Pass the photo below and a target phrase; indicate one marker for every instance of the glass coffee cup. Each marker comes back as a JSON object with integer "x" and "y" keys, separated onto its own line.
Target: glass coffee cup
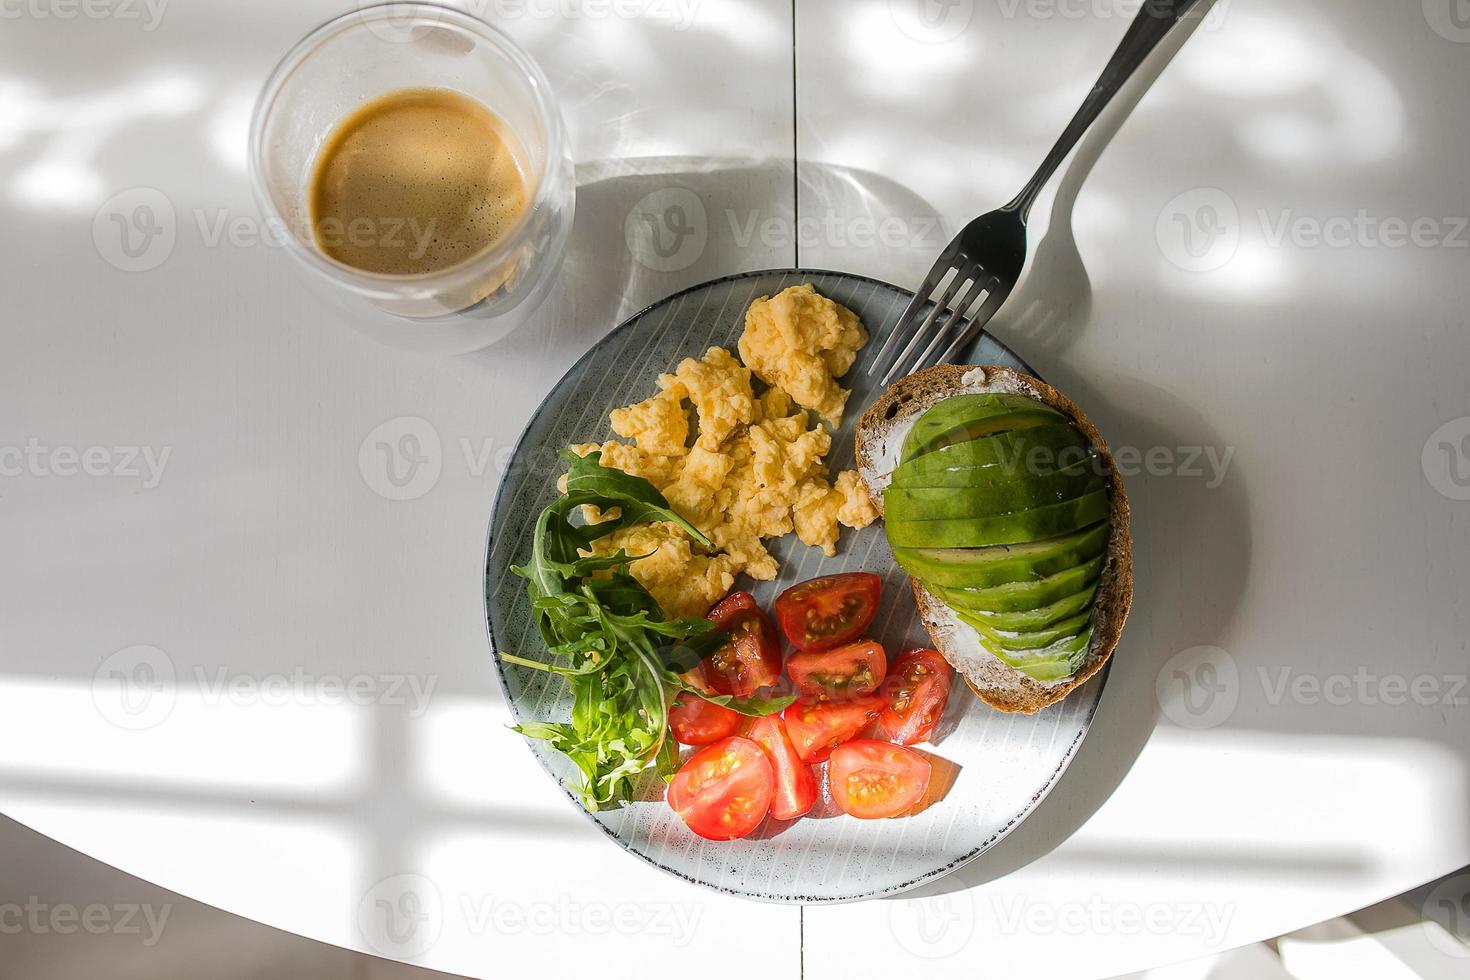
{"x": 394, "y": 51}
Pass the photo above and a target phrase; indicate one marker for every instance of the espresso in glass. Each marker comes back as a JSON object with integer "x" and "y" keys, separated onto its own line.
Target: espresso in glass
{"x": 416, "y": 181}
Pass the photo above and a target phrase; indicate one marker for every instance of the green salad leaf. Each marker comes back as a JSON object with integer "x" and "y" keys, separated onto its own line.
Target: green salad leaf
{"x": 608, "y": 637}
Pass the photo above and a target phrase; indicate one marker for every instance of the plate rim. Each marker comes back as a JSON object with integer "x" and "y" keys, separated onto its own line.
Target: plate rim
{"x": 499, "y": 668}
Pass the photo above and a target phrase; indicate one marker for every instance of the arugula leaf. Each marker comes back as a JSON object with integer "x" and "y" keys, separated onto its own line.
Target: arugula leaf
{"x": 610, "y": 641}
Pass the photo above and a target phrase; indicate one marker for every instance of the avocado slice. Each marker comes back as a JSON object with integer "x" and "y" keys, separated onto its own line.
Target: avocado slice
{"x": 1020, "y": 493}
{"x": 981, "y": 568}
{"x": 1043, "y": 617}
{"x": 1013, "y": 528}
{"x": 1055, "y": 662}
{"x": 1006, "y": 472}
{"x": 1037, "y": 449}
{"x": 1024, "y": 641}
{"x": 966, "y": 417}
{"x": 1021, "y": 596}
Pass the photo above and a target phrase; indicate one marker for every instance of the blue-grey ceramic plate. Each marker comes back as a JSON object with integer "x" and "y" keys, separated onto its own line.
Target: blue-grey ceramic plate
{"x": 1006, "y": 763}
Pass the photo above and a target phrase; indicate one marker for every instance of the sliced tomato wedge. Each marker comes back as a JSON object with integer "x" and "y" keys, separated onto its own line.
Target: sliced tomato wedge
{"x": 796, "y": 784}
{"x": 696, "y": 721}
{"x": 871, "y": 779}
{"x": 752, "y": 658}
{"x": 829, "y": 611}
{"x": 916, "y": 691}
{"x": 724, "y": 791}
{"x": 848, "y": 671}
{"x": 816, "y": 726}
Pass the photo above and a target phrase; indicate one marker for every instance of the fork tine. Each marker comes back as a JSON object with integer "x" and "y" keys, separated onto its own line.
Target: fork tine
{"x": 980, "y": 286}
{"x": 916, "y": 335}
{"x": 978, "y": 322}
{"x": 905, "y": 322}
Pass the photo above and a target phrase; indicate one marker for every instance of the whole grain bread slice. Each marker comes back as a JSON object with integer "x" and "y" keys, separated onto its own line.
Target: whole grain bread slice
{"x": 993, "y": 681}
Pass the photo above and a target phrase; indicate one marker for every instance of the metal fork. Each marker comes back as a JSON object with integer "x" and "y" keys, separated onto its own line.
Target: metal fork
{"x": 980, "y": 267}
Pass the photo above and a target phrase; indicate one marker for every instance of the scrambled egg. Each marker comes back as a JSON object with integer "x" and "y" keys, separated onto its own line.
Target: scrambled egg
{"x": 755, "y": 468}
{"x": 800, "y": 341}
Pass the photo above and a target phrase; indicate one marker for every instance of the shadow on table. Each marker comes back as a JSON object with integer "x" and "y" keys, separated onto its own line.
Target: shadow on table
{"x": 649, "y": 227}
{"x": 1191, "y": 537}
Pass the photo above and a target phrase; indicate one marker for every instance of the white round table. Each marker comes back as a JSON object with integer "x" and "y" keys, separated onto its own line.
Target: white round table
{"x": 242, "y": 651}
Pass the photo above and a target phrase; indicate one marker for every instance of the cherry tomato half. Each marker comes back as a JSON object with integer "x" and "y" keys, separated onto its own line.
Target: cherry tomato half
{"x": 916, "y": 691}
{"x": 829, "y": 611}
{"x": 846, "y": 672}
{"x": 752, "y": 657}
{"x": 724, "y": 790}
{"x": 816, "y": 726}
{"x": 796, "y": 784}
{"x": 696, "y": 721}
{"x": 871, "y": 779}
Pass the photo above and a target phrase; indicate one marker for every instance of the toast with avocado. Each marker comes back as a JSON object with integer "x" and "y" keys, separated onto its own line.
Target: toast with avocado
{"x": 1003, "y": 503}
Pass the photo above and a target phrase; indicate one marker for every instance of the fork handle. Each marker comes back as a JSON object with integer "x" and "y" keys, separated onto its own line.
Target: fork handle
{"x": 1154, "y": 20}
